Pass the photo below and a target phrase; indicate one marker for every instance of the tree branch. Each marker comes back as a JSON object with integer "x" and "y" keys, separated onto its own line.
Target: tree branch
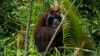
{"x": 27, "y": 29}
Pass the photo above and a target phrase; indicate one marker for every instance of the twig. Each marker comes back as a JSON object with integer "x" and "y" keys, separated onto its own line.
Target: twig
{"x": 87, "y": 50}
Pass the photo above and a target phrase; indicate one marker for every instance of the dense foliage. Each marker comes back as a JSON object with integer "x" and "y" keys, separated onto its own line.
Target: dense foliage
{"x": 13, "y": 22}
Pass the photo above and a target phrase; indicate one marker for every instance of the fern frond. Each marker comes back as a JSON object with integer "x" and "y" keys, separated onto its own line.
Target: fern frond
{"x": 75, "y": 31}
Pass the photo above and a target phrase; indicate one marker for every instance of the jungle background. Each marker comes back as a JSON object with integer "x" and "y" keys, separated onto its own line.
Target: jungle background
{"x": 14, "y": 18}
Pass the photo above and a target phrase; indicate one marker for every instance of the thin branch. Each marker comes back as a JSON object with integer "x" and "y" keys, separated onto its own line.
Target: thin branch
{"x": 27, "y": 29}
{"x": 87, "y": 50}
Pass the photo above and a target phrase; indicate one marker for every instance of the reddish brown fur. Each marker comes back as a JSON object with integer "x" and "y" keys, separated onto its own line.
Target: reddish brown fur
{"x": 44, "y": 33}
